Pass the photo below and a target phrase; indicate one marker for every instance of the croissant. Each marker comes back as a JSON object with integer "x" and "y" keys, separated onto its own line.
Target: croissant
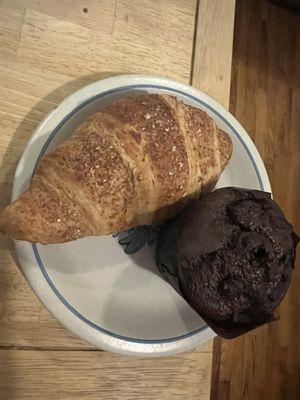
{"x": 139, "y": 160}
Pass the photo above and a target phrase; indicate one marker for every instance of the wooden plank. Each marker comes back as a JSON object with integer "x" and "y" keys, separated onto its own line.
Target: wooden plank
{"x": 71, "y": 375}
{"x": 213, "y": 48}
{"x": 265, "y": 97}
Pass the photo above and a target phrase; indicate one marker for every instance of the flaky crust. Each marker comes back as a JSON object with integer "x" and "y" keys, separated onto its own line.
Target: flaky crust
{"x": 139, "y": 160}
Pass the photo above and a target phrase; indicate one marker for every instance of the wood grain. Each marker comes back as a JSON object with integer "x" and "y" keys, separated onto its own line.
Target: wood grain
{"x": 213, "y": 48}
{"x": 70, "y": 375}
{"x": 265, "y": 97}
{"x": 48, "y": 49}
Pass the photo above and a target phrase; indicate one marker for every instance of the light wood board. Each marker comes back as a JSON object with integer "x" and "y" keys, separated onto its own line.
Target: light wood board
{"x": 48, "y": 49}
{"x": 213, "y": 50}
{"x": 70, "y": 375}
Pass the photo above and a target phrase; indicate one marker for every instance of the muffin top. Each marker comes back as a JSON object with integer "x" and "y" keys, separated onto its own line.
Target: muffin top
{"x": 231, "y": 256}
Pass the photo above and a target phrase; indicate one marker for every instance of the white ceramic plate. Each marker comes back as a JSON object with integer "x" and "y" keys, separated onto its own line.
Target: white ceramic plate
{"x": 113, "y": 300}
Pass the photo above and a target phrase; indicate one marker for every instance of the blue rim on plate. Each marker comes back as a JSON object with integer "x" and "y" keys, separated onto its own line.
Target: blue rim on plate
{"x": 43, "y": 151}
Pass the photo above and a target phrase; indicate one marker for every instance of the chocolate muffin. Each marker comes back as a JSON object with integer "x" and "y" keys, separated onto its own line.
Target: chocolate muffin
{"x": 230, "y": 255}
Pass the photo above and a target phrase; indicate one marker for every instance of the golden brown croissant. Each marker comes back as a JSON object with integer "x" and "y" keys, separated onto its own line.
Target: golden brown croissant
{"x": 138, "y": 160}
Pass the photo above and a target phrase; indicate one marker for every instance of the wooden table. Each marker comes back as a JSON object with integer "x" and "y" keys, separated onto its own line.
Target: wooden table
{"x": 48, "y": 49}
